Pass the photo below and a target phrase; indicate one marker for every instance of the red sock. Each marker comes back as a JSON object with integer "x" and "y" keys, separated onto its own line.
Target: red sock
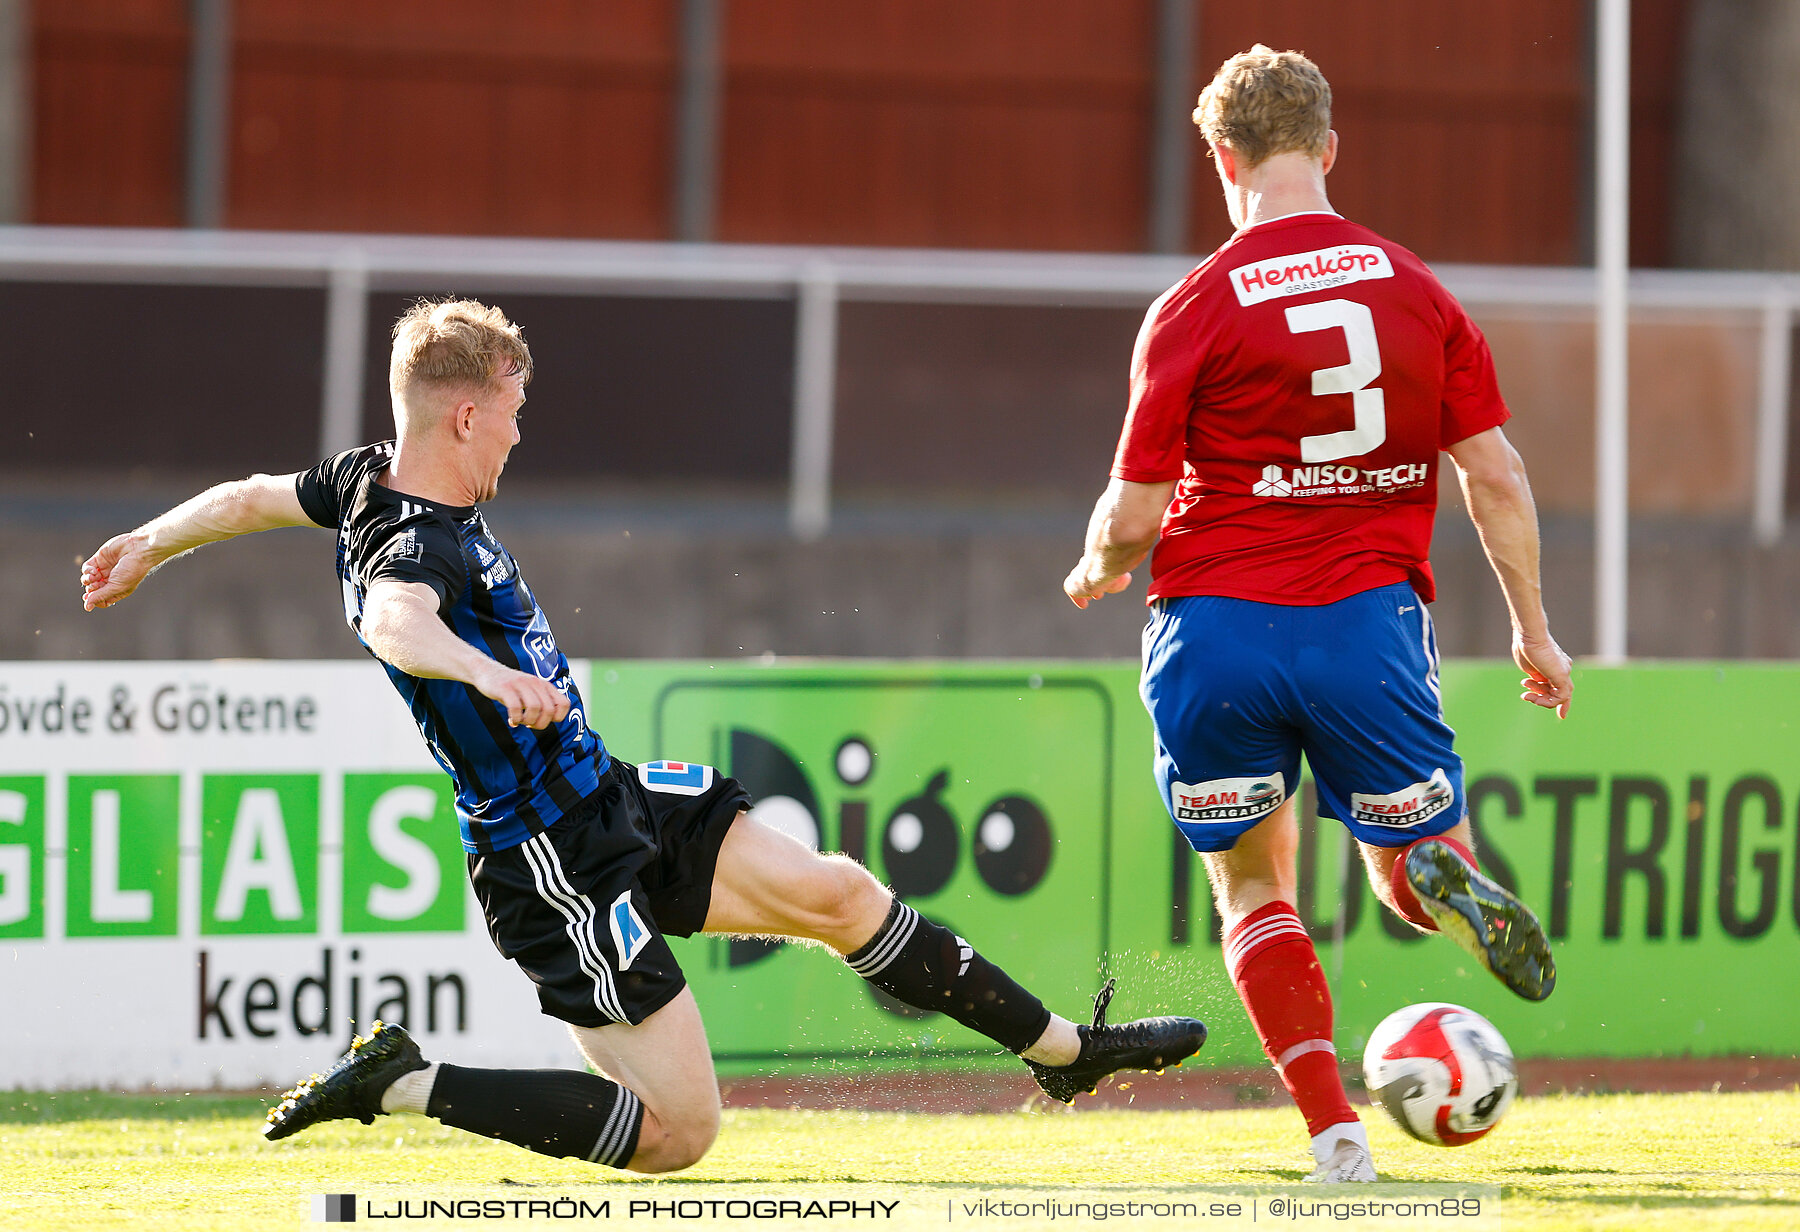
{"x": 1278, "y": 976}
{"x": 1404, "y": 899}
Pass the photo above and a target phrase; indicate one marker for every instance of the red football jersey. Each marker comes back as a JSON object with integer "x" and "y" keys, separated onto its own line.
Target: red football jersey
{"x": 1300, "y": 384}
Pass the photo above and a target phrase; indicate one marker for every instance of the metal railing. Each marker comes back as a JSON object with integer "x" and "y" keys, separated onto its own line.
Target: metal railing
{"x": 349, "y": 267}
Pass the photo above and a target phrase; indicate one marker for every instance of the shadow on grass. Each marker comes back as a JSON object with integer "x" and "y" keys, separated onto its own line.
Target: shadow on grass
{"x": 54, "y": 1107}
{"x": 1648, "y": 1198}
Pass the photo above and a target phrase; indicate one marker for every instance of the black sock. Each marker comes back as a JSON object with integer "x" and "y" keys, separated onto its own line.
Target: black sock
{"x": 562, "y": 1112}
{"x": 931, "y": 968}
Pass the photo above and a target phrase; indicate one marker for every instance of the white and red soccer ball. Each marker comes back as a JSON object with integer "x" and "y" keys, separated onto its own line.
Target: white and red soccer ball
{"x": 1443, "y": 1072}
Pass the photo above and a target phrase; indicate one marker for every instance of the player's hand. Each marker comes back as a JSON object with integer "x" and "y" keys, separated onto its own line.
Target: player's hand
{"x": 1083, "y": 587}
{"x": 1547, "y": 682}
{"x": 530, "y": 701}
{"x": 115, "y": 570}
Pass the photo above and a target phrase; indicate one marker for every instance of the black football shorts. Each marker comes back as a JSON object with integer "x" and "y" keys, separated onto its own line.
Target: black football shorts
{"x": 583, "y": 907}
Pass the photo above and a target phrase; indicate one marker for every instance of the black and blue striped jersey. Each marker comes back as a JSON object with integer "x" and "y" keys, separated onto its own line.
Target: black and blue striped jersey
{"x": 511, "y": 782}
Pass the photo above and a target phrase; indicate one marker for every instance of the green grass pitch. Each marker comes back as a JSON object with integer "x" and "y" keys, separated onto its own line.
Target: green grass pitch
{"x": 89, "y": 1161}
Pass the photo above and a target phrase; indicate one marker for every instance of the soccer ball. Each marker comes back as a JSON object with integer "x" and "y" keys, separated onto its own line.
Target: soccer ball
{"x": 1442, "y": 1072}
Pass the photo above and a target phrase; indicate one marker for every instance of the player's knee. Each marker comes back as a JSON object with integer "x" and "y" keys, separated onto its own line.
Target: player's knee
{"x": 836, "y": 899}
{"x": 844, "y": 897}
{"x": 675, "y": 1144}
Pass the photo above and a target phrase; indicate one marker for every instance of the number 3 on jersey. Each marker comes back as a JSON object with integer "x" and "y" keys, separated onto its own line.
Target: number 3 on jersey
{"x": 1352, "y": 378}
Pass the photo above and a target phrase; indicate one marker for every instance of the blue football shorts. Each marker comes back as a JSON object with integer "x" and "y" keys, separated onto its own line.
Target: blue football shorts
{"x": 1238, "y": 690}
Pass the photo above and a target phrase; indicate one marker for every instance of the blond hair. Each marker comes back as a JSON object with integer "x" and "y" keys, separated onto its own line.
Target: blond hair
{"x": 455, "y": 343}
{"x": 1263, "y": 102}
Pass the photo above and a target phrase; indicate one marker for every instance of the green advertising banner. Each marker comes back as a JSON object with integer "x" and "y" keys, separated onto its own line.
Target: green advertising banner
{"x": 1654, "y": 831}
{"x": 22, "y": 856}
{"x": 403, "y": 862}
{"x": 259, "y": 844}
{"x": 124, "y": 854}
{"x": 224, "y": 870}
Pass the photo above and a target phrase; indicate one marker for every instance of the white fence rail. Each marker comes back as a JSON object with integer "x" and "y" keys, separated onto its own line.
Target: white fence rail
{"x": 348, "y": 267}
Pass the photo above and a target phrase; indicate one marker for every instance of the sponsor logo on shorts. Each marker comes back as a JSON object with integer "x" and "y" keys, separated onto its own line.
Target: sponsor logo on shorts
{"x": 1407, "y": 807}
{"x": 628, "y": 932}
{"x": 1227, "y": 799}
{"x": 678, "y": 778}
{"x": 1303, "y": 272}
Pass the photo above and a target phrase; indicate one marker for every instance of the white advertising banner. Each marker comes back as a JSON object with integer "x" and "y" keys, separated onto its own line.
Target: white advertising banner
{"x": 210, "y": 872}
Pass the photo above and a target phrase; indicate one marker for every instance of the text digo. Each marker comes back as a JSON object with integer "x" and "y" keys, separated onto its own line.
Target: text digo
{"x": 982, "y": 805}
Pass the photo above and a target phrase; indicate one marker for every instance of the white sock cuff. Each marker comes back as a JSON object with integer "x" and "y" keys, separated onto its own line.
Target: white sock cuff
{"x": 1288, "y": 1057}
{"x": 1323, "y": 1144}
{"x": 1251, "y": 936}
{"x": 410, "y": 1092}
{"x": 885, "y": 946}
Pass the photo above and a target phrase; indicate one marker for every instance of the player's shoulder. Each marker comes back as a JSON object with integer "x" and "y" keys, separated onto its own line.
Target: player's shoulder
{"x": 379, "y": 515}
{"x": 328, "y": 491}
{"x": 1186, "y": 296}
{"x": 1407, "y": 263}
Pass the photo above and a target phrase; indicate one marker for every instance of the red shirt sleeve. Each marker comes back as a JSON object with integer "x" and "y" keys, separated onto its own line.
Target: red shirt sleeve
{"x": 1472, "y": 402}
{"x": 1165, "y": 366}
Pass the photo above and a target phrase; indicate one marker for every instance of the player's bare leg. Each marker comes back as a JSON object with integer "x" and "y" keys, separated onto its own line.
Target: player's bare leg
{"x": 1278, "y": 977}
{"x": 1436, "y": 885}
{"x": 665, "y": 1060}
{"x": 1258, "y": 870}
{"x": 769, "y": 884}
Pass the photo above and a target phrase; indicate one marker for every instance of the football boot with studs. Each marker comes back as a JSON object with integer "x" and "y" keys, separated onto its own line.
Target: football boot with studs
{"x": 1497, "y": 930}
{"x": 1147, "y": 1044}
{"x": 352, "y": 1088}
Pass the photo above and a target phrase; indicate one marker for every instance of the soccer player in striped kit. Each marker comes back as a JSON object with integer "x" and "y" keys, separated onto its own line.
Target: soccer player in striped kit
{"x": 582, "y": 862}
{"x": 1289, "y": 400}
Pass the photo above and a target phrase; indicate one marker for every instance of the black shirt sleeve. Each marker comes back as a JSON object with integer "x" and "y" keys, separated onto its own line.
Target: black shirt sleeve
{"x": 421, "y": 552}
{"x": 324, "y": 491}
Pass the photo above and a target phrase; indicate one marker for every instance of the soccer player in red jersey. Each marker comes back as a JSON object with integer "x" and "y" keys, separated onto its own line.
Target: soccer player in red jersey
{"x": 1289, "y": 400}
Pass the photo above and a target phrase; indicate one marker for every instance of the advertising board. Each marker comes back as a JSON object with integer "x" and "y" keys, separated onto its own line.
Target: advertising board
{"x": 210, "y": 871}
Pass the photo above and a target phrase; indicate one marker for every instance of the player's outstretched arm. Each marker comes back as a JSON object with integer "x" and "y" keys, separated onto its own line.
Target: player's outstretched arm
{"x": 1123, "y": 529}
{"x": 1500, "y": 505}
{"x": 401, "y": 626}
{"x": 261, "y": 502}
